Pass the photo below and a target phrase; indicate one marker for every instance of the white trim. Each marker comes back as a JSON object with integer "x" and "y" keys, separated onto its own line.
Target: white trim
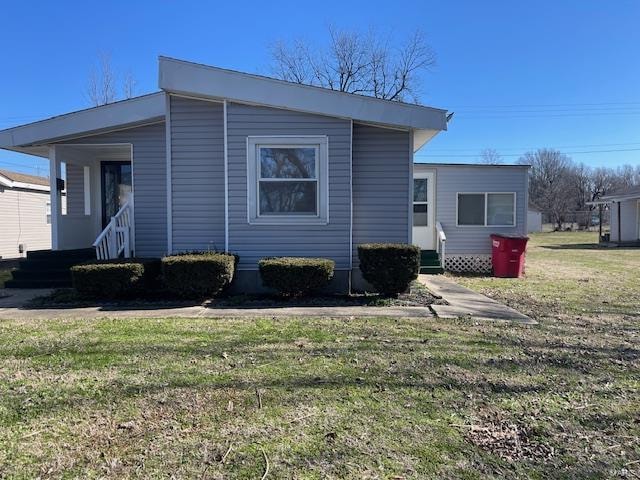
{"x": 486, "y": 207}
{"x": 410, "y": 217}
{"x": 525, "y": 227}
{"x": 226, "y": 176}
{"x": 188, "y": 78}
{"x": 351, "y": 198}
{"x": 321, "y": 143}
{"x": 86, "y": 177}
{"x": 168, "y": 154}
{"x": 91, "y": 121}
{"x": 54, "y": 169}
{"x": 26, "y": 186}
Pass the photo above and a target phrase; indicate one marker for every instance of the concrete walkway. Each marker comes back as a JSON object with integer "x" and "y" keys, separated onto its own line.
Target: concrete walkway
{"x": 12, "y": 307}
{"x": 467, "y": 303}
{"x": 462, "y": 303}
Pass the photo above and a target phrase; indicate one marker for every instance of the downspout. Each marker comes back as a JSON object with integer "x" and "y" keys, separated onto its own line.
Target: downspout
{"x": 619, "y": 222}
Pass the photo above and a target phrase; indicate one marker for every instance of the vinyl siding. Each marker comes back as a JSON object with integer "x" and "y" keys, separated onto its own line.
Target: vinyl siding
{"x": 75, "y": 189}
{"x": 23, "y": 220}
{"x": 253, "y": 242}
{"x": 197, "y": 174}
{"x": 149, "y": 183}
{"x": 464, "y": 179}
{"x": 381, "y": 179}
{"x": 629, "y": 224}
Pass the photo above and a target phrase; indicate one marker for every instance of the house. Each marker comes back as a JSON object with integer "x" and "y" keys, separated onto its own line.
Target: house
{"x": 534, "y": 219}
{"x": 225, "y": 160}
{"x": 624, "y": 208}
{"x": 25, "y": 215}
{"x": 456, "y": 207}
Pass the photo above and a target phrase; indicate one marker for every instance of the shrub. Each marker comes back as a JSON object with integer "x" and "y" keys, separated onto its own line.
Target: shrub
{"x": 296, "y": 276}
{"x": 389, "y": 267}
{"x": 198, "y": 275}
{"x": 118, "y": 278}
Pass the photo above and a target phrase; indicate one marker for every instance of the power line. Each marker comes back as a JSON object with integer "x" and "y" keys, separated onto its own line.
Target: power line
{"x": 557, "y": 147}
{"x": 534, "y": 105}
{"x": 519, "y": 155}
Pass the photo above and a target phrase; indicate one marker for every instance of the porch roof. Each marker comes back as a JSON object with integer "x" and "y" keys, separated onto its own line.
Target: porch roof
{"x": 32, "y": 138}
{"x": 629, "y": 193}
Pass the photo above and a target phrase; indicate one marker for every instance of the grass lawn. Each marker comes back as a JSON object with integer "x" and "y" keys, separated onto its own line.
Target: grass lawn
{"x": 567, "y": 274}
{"x": 5, "y": 274}
{"x": 336, "y": 398}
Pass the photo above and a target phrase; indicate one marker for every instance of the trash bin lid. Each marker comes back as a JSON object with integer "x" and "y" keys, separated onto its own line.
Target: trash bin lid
{"x": 509, "y": 236}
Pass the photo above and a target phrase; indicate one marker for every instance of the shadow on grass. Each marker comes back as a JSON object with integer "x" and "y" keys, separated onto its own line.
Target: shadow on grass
{"x": 588, "y": 246}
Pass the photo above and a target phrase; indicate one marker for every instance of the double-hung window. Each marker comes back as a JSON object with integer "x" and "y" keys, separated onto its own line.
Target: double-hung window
{"x": 486, "y": 209}
{"x": 287, "y": 180}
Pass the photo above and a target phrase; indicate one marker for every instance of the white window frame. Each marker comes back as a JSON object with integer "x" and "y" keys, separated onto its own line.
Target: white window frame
{"x": 486, "y": 209}
{"x": 321, "y": 143}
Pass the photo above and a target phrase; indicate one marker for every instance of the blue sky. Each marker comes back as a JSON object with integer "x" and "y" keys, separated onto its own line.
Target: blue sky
{"x": 519, "y": 75}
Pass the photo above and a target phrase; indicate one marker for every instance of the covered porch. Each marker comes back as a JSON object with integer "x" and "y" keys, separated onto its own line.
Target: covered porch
{"x": 99, "y": 193}
{"x": 625, "y": 217}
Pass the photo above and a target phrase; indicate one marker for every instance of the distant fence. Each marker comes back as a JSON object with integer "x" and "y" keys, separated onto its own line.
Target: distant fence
{"x": 581, "y": 220}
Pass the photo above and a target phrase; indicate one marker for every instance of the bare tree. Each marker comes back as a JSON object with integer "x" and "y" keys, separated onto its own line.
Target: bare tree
{"x": 550, "y": 185}
{"x": 101, "y": 87}
{"x": 129, "y": 85}
{"x": 490, "y": 156}
{"x": 103, "y": 80}
{"x": 354, "y": 62}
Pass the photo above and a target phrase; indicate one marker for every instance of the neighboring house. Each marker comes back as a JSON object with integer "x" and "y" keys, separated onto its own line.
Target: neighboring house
{"x": 231, "y": 161}
{"x": 624, "y": 208}
{"x": 24, "y": 214}
{"x": 464, "y": 204}
{"x": 534, "y": 219}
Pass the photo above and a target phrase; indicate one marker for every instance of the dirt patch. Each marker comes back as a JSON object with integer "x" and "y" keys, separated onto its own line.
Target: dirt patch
{"x": 507, "y": 438}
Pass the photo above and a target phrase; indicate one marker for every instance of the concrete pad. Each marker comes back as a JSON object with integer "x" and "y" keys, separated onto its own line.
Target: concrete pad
{"x": 467, "y": 303}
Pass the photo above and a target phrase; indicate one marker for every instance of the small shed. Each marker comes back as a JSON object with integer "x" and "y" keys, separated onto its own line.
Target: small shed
{"x": 625, "y": 215}
{"x": 534, "y": 219}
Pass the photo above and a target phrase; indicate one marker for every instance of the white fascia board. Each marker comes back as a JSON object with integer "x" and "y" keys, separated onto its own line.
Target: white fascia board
{"x": 127, "y": 112}
{"x": 25, "y": 186}
{"x": 187, "y": 78}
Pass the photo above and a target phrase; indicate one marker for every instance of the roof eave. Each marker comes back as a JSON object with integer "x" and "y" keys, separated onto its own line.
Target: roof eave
{"x": 85, "y": 122}
{"x": 186, "y": 78}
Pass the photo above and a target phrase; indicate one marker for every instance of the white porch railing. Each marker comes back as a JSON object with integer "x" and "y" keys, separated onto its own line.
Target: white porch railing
{"x": 441, "y": 241}
{"x": 116, "y": 238}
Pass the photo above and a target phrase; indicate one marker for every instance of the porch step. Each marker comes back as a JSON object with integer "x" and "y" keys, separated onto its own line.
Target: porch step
{"x": 48, "y": 268}
{"x": 430, "y": 262}
{"x": 431, "y": 270}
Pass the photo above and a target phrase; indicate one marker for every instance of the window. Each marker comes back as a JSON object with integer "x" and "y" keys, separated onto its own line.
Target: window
{"x": 420, "y": 202}
{"x": 288, "y": 180}
{"x": 486, "y": 209}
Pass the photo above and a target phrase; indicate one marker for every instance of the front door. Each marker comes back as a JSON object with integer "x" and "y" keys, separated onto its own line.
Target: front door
{"x": 116, "y": 187}
{"x": 424, "y": 210}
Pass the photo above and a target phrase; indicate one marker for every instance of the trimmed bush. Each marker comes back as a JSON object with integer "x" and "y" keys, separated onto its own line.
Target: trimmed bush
{"x": 118, "y": 278}
{"x": 292, "y": 276}
{"x": 389, "y": 267}
{"x": 198, "y": 275}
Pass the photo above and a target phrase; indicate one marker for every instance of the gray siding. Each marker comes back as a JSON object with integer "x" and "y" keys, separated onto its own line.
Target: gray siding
{"x": 149, "y": 183}
{"x": 253, "y": 242}
{"x": 197, "y": 174}
{"x": 75, "y": 189}
{"x": 455, "y": 178}
{"x": 381, "y": 179}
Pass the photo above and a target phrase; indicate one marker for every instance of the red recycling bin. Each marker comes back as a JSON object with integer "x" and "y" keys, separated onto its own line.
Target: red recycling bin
{"x": 507, "y": 255}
